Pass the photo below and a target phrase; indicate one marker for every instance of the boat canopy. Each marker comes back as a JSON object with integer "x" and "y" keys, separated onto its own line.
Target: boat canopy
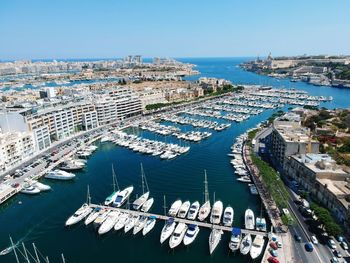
{"x": 236, "y": 231}
{"x": 171, "y": 220}
{"x": 152, "y": 217}
{"x": 192, "y": 226}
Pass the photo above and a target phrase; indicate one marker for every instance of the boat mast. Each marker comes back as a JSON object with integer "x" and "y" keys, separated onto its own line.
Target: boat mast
{"x": 206, "y": 192}
{"x": 63, "y": 259}
{"x": 25, "y": 253}
{"x": 88, "y": 195}
{"x": 115, "y": 181}
{"x": 36, "y": 253}
{"x": 214, "y": 197}
{"x": 142, "y": 175}
{"x": 164, "y": 206}
{"x": 14, "y": 249}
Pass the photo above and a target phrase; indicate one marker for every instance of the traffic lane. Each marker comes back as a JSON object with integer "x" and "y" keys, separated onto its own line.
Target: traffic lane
{"x": 300, "y": 251}
{"x": 323, "y": 251}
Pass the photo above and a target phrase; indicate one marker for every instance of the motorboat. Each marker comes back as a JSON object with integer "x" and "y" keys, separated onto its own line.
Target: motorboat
{"x": 102, "y": 216}
{"x": 29, "y": 189}
{"x": 122, "y": 219}
{"x": 59, "y": 175}
{"x": 109, "y": 222}
{"x": 246, "y": 244}
{"x": 216, "y": 213}
{"x": 8, "y": 249}
{"x": 111, "y": 198}
{"x": 175, "y": 208}
{"x": 227, "y": 219}
{"x": 260, "y": 224}
{"x": 93, "y": 215}
{"x": 249, "y": 220}
{"x": 214, "y": 239}
{"x": 204, "y": 211}
{"x": 79, "y": 215}
{"x": 235, "y": 240}
{"x": 193, "y": 211}
{"x": 139, "y": 224}
{"x": 178, "y": 235}
{"x": 72, "y": 165}
{"x": 130, "y": 223}
{"x": 147, "y": 205}
{"x": 191, "y": 234}
{"x": 184, "y": 209}
{"x": 137, "y": 204}
{"x": 253, "y": 190}
{"x": 151, "y": 222}
{"x": 122, "y": 196}
{"x": 257, "y": 246}
{"x": 167, "y": 230}
{"x": 244, "y": 179}
{"x": 42, "y": 187}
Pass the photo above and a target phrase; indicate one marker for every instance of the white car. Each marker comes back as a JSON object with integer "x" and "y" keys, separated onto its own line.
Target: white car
{"x": 332, "y": 244}
{"x": 314, "y": 240}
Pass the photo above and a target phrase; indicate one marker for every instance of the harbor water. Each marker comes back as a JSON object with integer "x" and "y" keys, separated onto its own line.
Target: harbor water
{"x": 41, "y": 218}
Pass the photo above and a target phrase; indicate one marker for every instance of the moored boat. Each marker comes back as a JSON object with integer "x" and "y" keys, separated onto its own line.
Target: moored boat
{"x": 79, "y": 215}
{"x": 122, "y": 196}
{"x": 167, "y": 230}
{"x": 59, "y": 175}
{"x": 175, "y": 208}
{"x": 151, "y": 222}
{"x": 235, "y": 240}
{"x": 216, "y": 213}
{"x": 246, "y": 244}
{"x": 227, "y": 219}
{"x": 249, "y": 220}
{"x": 214, "y": 239}
{"x": 178, "y": 235}
{"x": 191, "y": 234}
{"x": 184, "y": 209}
{"x": 109, "y": 222}
{"x": 147, "y": 205}
{"x": 257, "y": 246}
{"x": 193, "y": 211}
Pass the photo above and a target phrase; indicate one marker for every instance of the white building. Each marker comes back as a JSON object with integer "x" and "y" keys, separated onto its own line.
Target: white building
{"x": 42, "y": 137}
{"x": 89, "y": 120}
{"x": 63, "y": 124}
{"x": 128, "y": 103}
{"x": 15, "y": 147}
{"x": 106, "y": 110}
{"x": 151, "y": 96}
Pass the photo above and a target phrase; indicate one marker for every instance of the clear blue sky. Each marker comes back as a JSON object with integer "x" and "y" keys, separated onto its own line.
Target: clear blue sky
{"x": 178, "y": 28}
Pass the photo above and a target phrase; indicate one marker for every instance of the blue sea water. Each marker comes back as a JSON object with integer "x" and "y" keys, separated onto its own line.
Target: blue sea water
{"x": 41, "y": 218}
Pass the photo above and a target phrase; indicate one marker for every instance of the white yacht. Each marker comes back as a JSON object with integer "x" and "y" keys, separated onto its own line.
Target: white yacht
{"x": 93, "y": 215}
{"x": 122, "y": 219}
{"x": 227, "y": 219}
{"x": 122, "y": 196}
{"x": 167, "y": 230}
{"x": 139, "y": 224}
{"x": 192, "y": 213}
{"x": 151, "y": 222}
{"x": 42, "y": 187}
{"x": 130, "y": 223}
{"x": 178, "y": 235}
{"x": 175, "y": 208}
{"x": 29, "y": 189}
{"x": 109, "y": 222}
{"x": 216, "y": 213}
{"x": 137, "y": 204}
{"x": 260, "y": 224}
{"x": 59, "y": 175}
{"x": 191, "y": 234}
{"x": 147, "y": 205}
{"x": 102, "y": 215}
{"x": 214, "y": 239}
{"x": 79, "y": 215}
{"x": 246, "y": 244}
{"x": 205, "y": 209}
{"x": 249, "y": 220}
{"x": 235, "y": 240}
{"x": 184, "y": 209}
{"x": 257, "y": 246}
{"x": 112, "y": 197}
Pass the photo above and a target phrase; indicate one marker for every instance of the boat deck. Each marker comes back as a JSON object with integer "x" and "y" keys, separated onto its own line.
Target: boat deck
{"x": 186, "y": 221}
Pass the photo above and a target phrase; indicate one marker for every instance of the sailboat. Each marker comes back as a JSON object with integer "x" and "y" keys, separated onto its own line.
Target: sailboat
{"x": 214, "y": 239}
{"x": 81, "y": 213}
{"x": 137, "y": 204}
{"x": 110, "y": 199}
{"x": 204, "y": 211}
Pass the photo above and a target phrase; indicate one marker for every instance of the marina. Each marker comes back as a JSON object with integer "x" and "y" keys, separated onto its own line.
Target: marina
{"x": 173, "y": 178}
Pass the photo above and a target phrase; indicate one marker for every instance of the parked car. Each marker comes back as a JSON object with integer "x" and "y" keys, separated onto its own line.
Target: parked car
{"x": 334, "y": 260}
{"x": 309, "y": 247}
{"x": 344, "y": 245}
{"x": 274, "y": 253}
{"x": 279, "y": 244}
{"x": 332, "y": 244}
{"x": 273, "y": 260}
{"x": 314, "y": 240}
{"x": 340, "y": 238}
{"x": 273, "y": 245}
{"x": 337, "y": 254}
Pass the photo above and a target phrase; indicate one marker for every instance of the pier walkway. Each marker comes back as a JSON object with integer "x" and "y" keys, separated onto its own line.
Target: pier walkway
{"x": 182, "y": 220}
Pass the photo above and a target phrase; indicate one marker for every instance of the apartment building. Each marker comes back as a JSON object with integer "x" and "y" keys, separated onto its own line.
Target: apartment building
{"x": 42, "y": 137}
{"x": 14, "y": 148}
{"x": 327, "y": 182}
{"x": 151, "y": 96}
{"x": 127, "y": 102}
{"x": 106, "y": 110}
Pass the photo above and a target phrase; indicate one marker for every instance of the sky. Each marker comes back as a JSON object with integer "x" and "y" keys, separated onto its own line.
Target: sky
{"x": 38, "y": 29}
